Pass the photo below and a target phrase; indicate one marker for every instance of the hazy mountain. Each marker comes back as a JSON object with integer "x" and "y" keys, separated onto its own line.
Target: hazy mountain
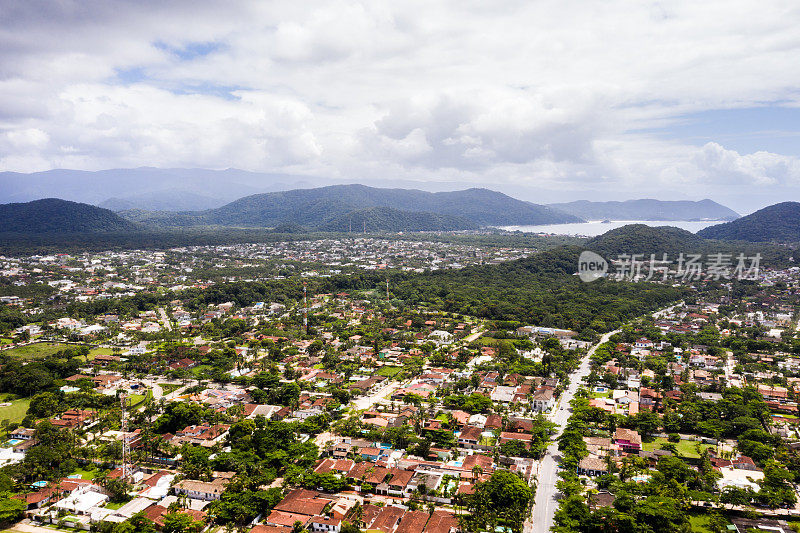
{"x": 315, "y": 208}
{"x": 646, "y": 240}
{"x": 98, "y": 187}
{"x": 52, "y": 215}
{"x": 647, "y": 210}
{"x": 167, "y": 200}
{"x": 775, "y": 223}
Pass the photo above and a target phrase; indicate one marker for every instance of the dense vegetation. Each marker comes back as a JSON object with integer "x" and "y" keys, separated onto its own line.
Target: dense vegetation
{"x": 672, "y": 241}
{"x": 52, "y": 215}
{"x": 388, "y": 219}
{"x": 538, "y": 290}
{"x": 21, "y": 243}
{"x": 775, "y": 223}
{"x": 314, "y": 208}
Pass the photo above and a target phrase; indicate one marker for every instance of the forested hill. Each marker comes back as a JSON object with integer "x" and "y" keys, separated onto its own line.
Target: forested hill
{"x": 393, "y": 220}
{"x": 316, "y": 208}
{"x": 643, "y": 239}
{"x": 775, "y": 223}
{"x": 647, "y": 209}
{"x": 52, "y": 215}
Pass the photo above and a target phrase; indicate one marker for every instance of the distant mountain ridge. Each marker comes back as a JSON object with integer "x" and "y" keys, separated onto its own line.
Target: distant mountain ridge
{"x": 133, "y": 185}
{"x": 164, "y": 200}
{"x": 774, "y": 223}
{"x": 326, "y": 207}
{"x": 647, "y": 209}
{"x": 52, "y": 215}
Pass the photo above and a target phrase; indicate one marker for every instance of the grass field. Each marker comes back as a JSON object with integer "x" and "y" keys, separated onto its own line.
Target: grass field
{"x": 35, "y": 351}
{"x": 16, "y": 411}
{"x": 686, "y": 448}
{"x": 135, "y": 400}
{"x": 99, "y": 351}
{"x": 87, "y": 474}
{"x": 169, "y": 387}
{"x": 115, "y": 506}
{"x": 389, "y": 371}
{"x": 700, "y": 522}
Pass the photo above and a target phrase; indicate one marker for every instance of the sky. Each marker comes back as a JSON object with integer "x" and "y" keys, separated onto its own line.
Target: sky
{"x": 547, "y": 100}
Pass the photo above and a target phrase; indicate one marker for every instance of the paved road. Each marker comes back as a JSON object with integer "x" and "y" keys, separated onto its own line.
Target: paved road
{"x": 545, "y": 503}
{"x": 366, "y": 402}
{"x": 472, "y": 336}
{"x": 165, "y": 319}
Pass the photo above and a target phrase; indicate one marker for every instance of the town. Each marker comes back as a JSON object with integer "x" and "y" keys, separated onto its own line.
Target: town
{"x": 137, "y": 395}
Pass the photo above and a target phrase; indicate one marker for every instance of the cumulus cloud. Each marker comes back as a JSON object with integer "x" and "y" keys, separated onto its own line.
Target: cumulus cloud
{"x": 760, "y": 168}
{"x": 551, "y": 94}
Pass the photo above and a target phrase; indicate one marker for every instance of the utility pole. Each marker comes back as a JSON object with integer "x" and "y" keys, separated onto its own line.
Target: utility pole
{"x": 305, "y": 308}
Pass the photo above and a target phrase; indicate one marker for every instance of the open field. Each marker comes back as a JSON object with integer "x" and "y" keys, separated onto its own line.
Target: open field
{"x": 36, "y": 350}
{"x": 700, "y": 522}
{"x": 389, "y": 371}
{"x": 16, "y": 411}
{"x": 686, "y": 448}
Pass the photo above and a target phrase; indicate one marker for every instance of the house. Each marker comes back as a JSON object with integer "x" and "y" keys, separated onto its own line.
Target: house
{"x": 543, "y": 399}
{"x": 201, "y": 490}
{"x": 324, "y": 524}
{"x": 503, "y": 394}
{"x": 592, "y": 466}
{"x": 628, "y": 440}
{"x": 470, "y": 436}
{"x": 22, "y": 433}
{"x": 105, "y": 360}
{"x": 644, "y": 343}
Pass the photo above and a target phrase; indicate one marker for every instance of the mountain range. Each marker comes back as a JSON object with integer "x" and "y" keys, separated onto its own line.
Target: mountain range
{"x": 340, "y": 205}
{"x": 774, "y": 223}
{"x": 647, "y": 209}
{"x": 148, "y": 188}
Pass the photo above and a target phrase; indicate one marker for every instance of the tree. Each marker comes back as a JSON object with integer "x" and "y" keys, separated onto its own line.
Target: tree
{"x": 181, "y": 523}
{"x": 11, "y": 510}
{"x": 504, "y": 495}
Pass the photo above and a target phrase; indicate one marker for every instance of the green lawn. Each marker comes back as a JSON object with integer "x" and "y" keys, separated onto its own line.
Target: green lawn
{"x": 87, "y": 474}
{"x": 199, "y": 369}
{"x": 686, "y": 448}
{"x": 99, "y": 351}
{"x": 136, "y": 399}
{"x": 700, "y": 522}
{"x": 16, "y": 411}
{"x": 36, "y": 351}
{"x": 389, "y": 371}
{"x": 169, "y": 387}
{"x": 114, "y": 506}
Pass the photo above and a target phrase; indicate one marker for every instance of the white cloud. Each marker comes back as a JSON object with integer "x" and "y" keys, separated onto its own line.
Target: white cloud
{"x": 538, "y": 93}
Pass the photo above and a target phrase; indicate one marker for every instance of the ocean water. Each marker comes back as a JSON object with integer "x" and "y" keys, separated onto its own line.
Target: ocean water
{"x": 598, "y": 227}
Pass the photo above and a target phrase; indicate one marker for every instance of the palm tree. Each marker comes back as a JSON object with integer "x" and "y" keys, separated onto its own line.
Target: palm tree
{"x": 476, "y": 472}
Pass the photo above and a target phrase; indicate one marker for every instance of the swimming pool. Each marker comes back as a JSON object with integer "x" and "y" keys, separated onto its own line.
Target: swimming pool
{"x": 13, "y": 442}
